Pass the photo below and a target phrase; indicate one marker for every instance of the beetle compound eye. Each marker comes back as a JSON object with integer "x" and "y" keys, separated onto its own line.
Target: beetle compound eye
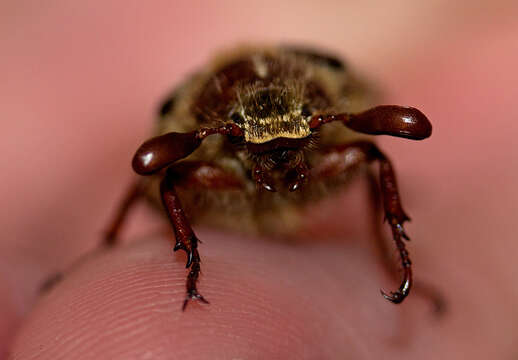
{"x": 167, "y": 107}
{"x": 237, "y": 118}
{"x": 306, "y": 112}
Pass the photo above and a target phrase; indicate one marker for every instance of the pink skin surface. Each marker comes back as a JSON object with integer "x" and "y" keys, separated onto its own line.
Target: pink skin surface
{"x": 80, "y": 84}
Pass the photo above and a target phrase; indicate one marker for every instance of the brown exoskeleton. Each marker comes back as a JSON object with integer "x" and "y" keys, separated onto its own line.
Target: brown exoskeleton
{"x": 265, "y": 128}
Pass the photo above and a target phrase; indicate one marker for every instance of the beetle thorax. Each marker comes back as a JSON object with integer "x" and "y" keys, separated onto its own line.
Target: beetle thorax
{"x": 273, "y": 112}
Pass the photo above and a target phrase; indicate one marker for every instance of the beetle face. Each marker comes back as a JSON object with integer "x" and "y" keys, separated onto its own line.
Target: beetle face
{"x": 280, "y": 160}
{"x": 278, "y": 153}
{"x": 276, "y": 129}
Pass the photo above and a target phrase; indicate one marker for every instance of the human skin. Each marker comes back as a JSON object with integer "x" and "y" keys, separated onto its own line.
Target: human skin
{"x": 77, "y": 76}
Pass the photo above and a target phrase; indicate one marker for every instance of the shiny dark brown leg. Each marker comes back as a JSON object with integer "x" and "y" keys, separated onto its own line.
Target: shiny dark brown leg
{"x": 423, "y": 289}
{"x": 395, "y": 216}
{"x": 112, "y": 233}
{"x": 346, "y": 157}
{"x": 195, "y": 174}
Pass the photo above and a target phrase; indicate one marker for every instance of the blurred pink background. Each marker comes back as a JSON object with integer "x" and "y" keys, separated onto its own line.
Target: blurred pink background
{"x": 80, "y": 83}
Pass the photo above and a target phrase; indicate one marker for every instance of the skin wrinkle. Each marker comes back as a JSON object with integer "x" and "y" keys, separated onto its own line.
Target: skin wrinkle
{"x": 117, "y": 294}
{"x": 268, "y": 308}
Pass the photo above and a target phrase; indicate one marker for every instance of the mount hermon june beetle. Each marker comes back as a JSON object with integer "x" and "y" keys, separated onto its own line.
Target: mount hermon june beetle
{"x": 258, "y": 134}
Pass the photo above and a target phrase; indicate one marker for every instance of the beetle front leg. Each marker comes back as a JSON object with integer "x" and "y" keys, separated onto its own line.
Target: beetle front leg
{"x": 185, "y": 238}
{"x": 194, "y": 174}
{"x": 424, "y": 289}
{"x": 345, "y": 158}
{"x": 395, "y": 216}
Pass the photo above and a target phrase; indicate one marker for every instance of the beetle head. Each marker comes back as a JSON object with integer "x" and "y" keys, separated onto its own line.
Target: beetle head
{"x": 275, "y": 127}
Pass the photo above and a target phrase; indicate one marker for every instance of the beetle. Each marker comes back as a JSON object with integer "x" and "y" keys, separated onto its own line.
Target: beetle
{"x": 257, "y": 135}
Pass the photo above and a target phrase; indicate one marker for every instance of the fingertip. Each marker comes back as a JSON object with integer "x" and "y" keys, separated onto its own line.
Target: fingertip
{"x": 266, "y": 302}
{"x": 126, "y": 303}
